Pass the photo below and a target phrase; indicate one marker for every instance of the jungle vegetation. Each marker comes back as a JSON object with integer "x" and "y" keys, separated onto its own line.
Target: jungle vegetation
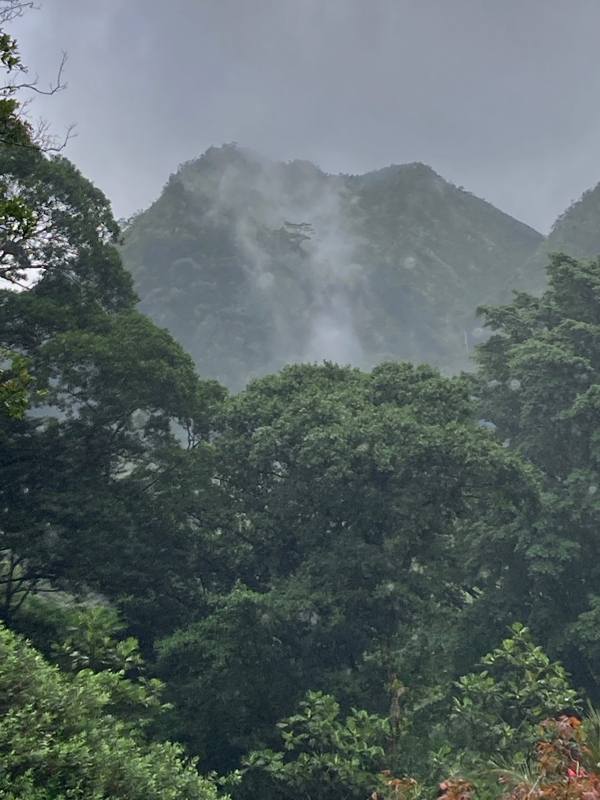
{"x": 336, "y": 583}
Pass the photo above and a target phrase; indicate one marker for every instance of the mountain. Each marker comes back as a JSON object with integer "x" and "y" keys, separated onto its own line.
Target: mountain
{"x": 254, "y": 264}
{"x": 576, "y": 232}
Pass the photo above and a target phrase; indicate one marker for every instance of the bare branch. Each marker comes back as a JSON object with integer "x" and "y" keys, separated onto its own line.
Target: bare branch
{"x": 14, "y": 281}
{"x": 44, "y": 141}
{"x": 53, "y": 88}
{"x": 60, "y": 84}
{"x": 18, "y": 130}
{"x": 41, "y": 139}
{"x": 51, "y": 142}
{"x": 11, "y": 9}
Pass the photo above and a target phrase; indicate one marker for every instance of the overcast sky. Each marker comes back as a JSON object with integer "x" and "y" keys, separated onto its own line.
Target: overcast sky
{"x": 499, "y": 96}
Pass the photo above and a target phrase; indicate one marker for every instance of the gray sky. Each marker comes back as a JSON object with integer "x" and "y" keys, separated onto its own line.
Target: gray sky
{"x": 499, "y": 96}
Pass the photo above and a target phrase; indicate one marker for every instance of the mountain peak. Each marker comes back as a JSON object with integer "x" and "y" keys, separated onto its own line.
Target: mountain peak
{"x": 254, "y": 263}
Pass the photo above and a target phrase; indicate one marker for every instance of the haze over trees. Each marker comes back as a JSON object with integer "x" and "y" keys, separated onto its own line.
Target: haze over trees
{"x": 337, "y": 581}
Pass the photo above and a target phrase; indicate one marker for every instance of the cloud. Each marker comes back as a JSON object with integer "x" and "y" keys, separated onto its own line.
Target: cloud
{"x": 296, "y": 196}
{"x": 501, "y": 97}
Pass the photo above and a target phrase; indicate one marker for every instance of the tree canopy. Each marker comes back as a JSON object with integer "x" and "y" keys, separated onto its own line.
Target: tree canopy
{"x": 540, "y": 376}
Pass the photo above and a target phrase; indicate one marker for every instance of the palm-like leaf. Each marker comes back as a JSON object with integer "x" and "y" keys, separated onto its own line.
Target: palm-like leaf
{"x": 591, "y": 728}
{"x": 518, "y": 772}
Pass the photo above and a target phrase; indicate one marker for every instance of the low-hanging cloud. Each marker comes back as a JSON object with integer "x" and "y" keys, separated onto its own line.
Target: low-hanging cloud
{"x": 269, "y": 195}
{"x": 502, "y": 98}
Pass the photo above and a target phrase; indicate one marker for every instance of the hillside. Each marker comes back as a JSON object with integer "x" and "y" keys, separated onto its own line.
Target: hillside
{"x": 254, "y": 264}
{"x": 576, "y": 232}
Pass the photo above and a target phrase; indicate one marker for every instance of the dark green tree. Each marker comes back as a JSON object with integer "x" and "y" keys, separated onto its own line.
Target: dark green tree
{"x": 498, "y": 709}
{"x": 106, "y": 483}
{"x": 90, "y": 485}
{"x": 324, "y": 756}
{"x": 356, "y": 500}
{"x": 540, "y": 384}
{"x": 58, "y": 738}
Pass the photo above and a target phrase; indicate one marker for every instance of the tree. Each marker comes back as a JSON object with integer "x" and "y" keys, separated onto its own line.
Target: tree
{"x": 89, "y": 482}
{"x": 516, "y": 719}
{"x": 79, "y": 257}
{"x": 84, "y": 475}
{"x": 20, "y": 221}
{"x": 539, "y": 384}
{"x": 14, "y": 129}
{"x": 499, "y": 708}
{"x": 58, "y": 739}
{"x": 323, "y": 756}
{"x": 356, "y": 499}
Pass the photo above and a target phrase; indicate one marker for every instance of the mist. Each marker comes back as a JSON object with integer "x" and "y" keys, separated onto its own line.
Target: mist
{"x": 300, "y": 195}
{"x": 315, "y": 321}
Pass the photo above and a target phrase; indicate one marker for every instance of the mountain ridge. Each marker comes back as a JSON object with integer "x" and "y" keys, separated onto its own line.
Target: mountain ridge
{"x": 253, "y": 263}
{"x": 575, "y": 232}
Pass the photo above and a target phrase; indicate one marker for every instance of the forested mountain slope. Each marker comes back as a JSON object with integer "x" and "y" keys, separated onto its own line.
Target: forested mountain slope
{"x": 576, "y": 232}
{"x": 254, "y": 264}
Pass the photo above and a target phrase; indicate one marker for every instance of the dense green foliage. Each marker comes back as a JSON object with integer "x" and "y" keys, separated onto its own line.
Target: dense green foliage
{"x": 540, "y": 377}
{"x": 311, "y": 580}
{"x": 498, "y": 714}
{"x": 324, "y": 756}
{"x": 357, "y": 499}
{"x": 498, "y": 710}
{"x": 14, "y": 383}
{"x": 58, "y": 738}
